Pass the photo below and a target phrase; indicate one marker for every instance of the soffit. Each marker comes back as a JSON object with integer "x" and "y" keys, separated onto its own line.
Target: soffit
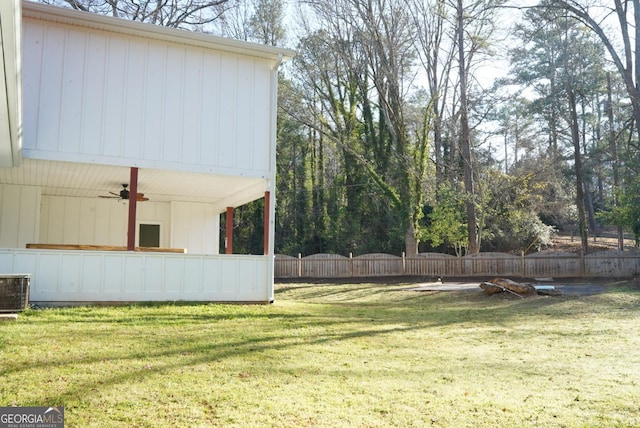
{"x": 90, "y": 181}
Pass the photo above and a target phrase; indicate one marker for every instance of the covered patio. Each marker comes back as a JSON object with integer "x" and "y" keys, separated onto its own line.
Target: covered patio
{"x": 186, "y": 121}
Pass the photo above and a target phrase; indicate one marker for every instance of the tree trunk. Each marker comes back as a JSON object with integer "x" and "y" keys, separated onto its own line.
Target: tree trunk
{"x": 614, "y": 155}
{"x": 410, "y": 241}
{"x": 575, "y": 137}
{"x": 465, "y": 138}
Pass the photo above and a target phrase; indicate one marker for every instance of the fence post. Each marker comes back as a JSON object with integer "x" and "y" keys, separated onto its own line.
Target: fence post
{"x": 350, "y": 264}
{"x": 461, "y": 266}
{"x": 582, "y": 264}
{"x": 404, "y": 264}
{"x": 299, "y": 265}
{"x": 523, "y": 266}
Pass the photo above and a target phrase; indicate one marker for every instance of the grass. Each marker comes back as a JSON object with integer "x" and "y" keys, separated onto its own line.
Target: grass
{"x": 329, "y": 355}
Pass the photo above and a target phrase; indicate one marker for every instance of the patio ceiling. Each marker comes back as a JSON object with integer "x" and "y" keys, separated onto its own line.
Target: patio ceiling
{"x": 91, "y": 180}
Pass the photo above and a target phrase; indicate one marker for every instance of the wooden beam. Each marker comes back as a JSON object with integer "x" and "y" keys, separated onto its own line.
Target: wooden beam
{"x": 85, "y": 247}
{"x": 229, "y": 231}
{"x": 267, "y": 220}
{"x": 133, "y": 201}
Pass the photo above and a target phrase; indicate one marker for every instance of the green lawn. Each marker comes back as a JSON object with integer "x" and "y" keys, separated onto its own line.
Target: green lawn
{"x": 333, "y": 355}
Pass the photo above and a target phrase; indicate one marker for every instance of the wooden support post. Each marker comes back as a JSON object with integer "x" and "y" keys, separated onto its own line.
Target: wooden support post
{"x": 267, "y": 220}
{"x": 133, "y": 201}
{"x": 229, "y": 231}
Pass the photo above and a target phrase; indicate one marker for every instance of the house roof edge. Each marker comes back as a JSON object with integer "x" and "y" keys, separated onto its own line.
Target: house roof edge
{"x": 108, "y": 23}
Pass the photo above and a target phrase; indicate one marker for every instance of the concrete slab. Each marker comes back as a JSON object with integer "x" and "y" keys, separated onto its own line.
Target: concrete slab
{"x": 8, "y": 317}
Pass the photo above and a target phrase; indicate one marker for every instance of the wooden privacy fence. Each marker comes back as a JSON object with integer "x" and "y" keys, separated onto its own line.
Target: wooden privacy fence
{"x": 543, "y": 264}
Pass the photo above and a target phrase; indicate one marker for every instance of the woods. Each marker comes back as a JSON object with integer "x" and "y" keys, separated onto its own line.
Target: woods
{"x": 454, "y": 126}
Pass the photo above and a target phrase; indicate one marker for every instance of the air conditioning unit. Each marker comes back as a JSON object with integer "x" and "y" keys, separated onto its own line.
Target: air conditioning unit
{"x": 14, "y": 292}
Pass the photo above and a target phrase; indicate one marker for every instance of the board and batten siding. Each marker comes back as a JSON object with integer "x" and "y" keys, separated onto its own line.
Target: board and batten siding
{"x": 201, "y": 239}
{"x": 127, "y": 99}
{"x": 94, "y": 221}
{"x": 77, "y": 277}
{"x": 19, "y": 215}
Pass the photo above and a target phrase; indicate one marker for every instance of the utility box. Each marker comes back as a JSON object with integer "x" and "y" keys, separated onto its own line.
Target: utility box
{"x": 14, "y": 292}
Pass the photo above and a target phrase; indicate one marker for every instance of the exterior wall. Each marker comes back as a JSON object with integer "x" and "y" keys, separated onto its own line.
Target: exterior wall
{"x": 195, "y": 227}
{"x": 19, "y": 215}
{"x": 104, "y": 97}
{"x": 75, "y": 277}
{"x": 10, "y": 84}
{"x": 95, "y": 221}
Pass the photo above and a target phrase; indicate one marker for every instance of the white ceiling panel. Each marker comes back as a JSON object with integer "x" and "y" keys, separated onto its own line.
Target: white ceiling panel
{"x": 90, "y": 180}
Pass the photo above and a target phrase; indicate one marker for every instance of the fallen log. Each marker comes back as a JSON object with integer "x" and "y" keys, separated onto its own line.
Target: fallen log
{"x": 500, "y": 285}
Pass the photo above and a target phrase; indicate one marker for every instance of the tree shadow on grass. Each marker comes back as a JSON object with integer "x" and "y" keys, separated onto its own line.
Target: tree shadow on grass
{"x": 184, "y": 336}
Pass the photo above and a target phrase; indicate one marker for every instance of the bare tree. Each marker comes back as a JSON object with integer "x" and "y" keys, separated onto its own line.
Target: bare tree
{"x": 198, "y": 15}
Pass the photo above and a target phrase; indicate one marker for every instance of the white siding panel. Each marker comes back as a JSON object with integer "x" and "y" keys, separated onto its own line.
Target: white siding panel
{"x": 25, "y": 262}
{"x": 29, "y": 227}
{"x": 229, "y": 277}
{"x": 118, "y": 224}
{"x": 67, "y": 220}
{"x": 66, "y": 276}
{"x": 192, "y": 115}
{"x": 71, "y": 219}
{"x": 135, "y": 103}
{"x": 193, "y": 282}
{"x": 211, "y": 107}
{"x": 261, "y": 130}
{"x": 103, "y": 215}
{"x": 70, "y": 273}
{"x": 6, "y": 261}
{"x": 48, "y": 268}
{"x": 173, "y": 275}
{"x": 133, "y": 281}
{"x": 114, "y": 273}
{"x": 87, "y": 221}
{"x": 49, "y": 119}
{"x": 73, "y": 75}
{"x": 228, "y": 111}
{"x": 119, "y": 99}
{"x": 211, "y": 269}
{"x": 92, "y": 273}
{"x": 115, "y": 77}
{"x": 55, "y": 221}
{"x": 194, "y": 227}
{"x": 174, "y": 108}
{"x": 245, "y": 115}
{"x": 95, "y": 93}
{"x": 154, "y": 274}
{"x": 155, "y": 99}
{"x": 33, "y": 42}
{"x": 19, "y": 215}
{"x": 9, "y": 216}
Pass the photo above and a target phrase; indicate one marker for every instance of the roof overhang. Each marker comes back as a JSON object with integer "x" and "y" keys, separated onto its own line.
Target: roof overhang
{"x": 10, "y": 83}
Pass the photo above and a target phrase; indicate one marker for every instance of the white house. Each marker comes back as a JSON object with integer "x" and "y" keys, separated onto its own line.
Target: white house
{"x": 89, "y": 103}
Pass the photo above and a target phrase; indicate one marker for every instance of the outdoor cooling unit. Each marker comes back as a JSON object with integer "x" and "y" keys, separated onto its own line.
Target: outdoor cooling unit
{"x": 14, "y": 293}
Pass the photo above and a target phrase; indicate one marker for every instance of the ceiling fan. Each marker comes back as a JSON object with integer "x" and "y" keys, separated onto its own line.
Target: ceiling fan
{"x": 124, "y": 195}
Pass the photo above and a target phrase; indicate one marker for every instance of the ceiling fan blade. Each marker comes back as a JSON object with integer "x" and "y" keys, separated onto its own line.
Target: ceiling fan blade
{"x": 108, "y": 197}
